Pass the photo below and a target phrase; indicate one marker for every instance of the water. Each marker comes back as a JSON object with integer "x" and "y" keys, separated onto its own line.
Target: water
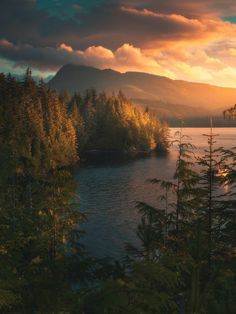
{"x": 109, "y": 191}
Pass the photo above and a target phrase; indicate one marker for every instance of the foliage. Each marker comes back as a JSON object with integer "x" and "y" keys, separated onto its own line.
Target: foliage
{"x": 39, "y": 223}
{"x": 114, "y": 124}
{"x": 186, "y": 257}
{"x": 148, "y": 288}
{"x": 230, "y": 113}
{"x": 35, "y": 127}
{"x": 188, "y": 238}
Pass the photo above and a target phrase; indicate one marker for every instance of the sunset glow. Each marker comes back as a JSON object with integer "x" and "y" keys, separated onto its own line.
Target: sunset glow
{"x": 186, "y": 40}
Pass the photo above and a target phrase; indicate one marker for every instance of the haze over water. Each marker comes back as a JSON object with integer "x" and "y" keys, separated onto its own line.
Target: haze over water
{"x": 109, "y": 191}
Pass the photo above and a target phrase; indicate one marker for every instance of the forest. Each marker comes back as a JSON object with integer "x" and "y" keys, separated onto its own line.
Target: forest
{"x": 52, "y": 130}
{"x": 186, "y": 260}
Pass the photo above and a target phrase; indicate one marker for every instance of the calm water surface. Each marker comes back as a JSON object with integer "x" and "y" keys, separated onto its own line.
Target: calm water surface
{"x": 109, "y": 191}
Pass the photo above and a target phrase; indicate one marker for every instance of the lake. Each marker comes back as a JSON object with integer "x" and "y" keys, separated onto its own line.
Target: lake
{"x": 109, "y": 190}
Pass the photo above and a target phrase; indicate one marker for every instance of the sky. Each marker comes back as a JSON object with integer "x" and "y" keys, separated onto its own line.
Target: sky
{"x": 192, "y": 40}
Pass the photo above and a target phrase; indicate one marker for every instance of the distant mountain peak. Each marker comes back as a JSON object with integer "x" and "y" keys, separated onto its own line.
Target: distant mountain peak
{"x": 165, "y": 96}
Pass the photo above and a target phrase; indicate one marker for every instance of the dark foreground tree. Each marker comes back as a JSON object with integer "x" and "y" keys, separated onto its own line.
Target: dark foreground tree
{"x": 185, "y": 263}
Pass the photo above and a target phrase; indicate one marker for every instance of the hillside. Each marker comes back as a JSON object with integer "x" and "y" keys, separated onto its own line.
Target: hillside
{"x": 169, "y": 98}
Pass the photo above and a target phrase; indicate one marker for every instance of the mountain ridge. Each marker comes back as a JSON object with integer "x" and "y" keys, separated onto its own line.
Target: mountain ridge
{"x": 142, "y": 88}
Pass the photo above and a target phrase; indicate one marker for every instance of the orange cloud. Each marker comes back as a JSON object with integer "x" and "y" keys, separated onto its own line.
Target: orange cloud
{"x": 179, "y": 31}
{"x": 208, "y": 57}
{"x": 99, "y": 52}
{"x": 194, "y": 64}
{"x": 176, "y": 18}
{"x": 66, "y": 47}
{"x": 5, "y": 43}
{"x": 191, "y": 65}
{"x": 232, "y": 52}
{"x": 125, "y": 58}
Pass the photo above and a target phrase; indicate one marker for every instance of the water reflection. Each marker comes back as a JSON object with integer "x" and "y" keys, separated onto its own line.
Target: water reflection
{"x": 108, "y": 193}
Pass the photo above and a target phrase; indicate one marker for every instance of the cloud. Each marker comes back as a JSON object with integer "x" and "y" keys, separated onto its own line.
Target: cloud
{"x": 173, "y": 18}
{"x": 125, "y": 58}
{"x": 65, "y": 47}
{"x": 5, "y": 43}
{"x": 97, "y": 53}
{"x": 199, "y": 65}
{"x": 187, "y": 39}
{"x": 232, "y": 52}
{"x": 191, "y": 65}
{"x": 170, "y": 29}
{"x": 114, "y": 22}
{"x": 190, "y": 8}
{"x": 43, "y": 58}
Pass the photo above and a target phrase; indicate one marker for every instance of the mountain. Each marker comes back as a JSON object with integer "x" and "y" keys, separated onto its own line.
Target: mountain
{"x": 169, "y": 98}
